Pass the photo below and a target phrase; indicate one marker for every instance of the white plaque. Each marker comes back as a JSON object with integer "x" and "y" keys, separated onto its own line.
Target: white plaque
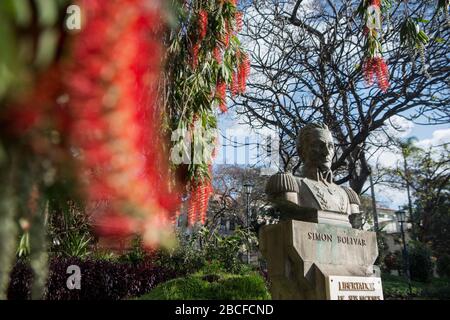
{"x": 354, "y": 288}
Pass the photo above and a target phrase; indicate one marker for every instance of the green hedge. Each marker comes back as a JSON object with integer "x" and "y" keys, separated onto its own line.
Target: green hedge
{"x": 211, "y": 287}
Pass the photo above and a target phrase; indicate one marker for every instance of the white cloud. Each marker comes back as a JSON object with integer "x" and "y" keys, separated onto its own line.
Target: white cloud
{"x": 397, "y": 127}
{"x": 439, "y": 137}
{"x": 390, "y": 197}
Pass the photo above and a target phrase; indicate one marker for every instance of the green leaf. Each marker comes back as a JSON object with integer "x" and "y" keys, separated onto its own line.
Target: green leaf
{"x": 421, "y": 20}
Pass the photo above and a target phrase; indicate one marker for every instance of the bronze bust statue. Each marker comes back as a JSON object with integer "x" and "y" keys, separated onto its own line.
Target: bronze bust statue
{"x": 313, "y": 197}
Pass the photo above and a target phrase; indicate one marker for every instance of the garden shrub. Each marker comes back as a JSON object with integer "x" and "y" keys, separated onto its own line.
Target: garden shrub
{"x": 212, "y": 287}
{"x": 443, "y": 265}
{"x": 183, "y": 258}
{"x": 101, "y": 279}
{"x": 226, "y": 250}
{"x": 206, "y": 249}
{"x": 421, "y": 265}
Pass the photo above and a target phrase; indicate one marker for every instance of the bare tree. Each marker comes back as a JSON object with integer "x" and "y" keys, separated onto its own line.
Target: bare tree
{"x": 229, "y": 200}
{"x": 306, "y": 62}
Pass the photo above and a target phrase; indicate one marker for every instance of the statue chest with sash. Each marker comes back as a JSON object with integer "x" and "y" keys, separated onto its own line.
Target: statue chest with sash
{"x": 323, "y": 196}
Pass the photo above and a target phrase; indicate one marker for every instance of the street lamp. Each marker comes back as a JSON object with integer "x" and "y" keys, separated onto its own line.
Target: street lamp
{"x": 401, "y": 218}
{"x": 248, "y": 188}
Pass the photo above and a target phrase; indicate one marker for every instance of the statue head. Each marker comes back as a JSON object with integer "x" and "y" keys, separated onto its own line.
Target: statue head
{"x": 315, "y": 146}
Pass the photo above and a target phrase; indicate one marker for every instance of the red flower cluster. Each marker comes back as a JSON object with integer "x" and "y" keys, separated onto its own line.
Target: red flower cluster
{"x": 244, "y": 72}
{"x": 112, "y": 90}
{"x": 221, "y": 94}
{"x": 226, "y": 37}
{"x": 201, "y": 191}
{"x": 203, "y": 29}
{"x": 218, "y": 55}
{"x": 239, "y": 80}
{"x": 203, "y": 24}
{"x": 239, "y": 21}
{"x": 376, "y": 68}
{"x": 198, "y": 203}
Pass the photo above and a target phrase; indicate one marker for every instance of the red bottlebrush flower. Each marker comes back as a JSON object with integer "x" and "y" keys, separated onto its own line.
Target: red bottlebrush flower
{"x": 205, "y": 195}
{"x": 382, "y": 72}
{"x": 247, "y": 65}
{"x": 111, "y": 85}
{"x": 221, "y": 94}
{"x": 203, "y": 24}
{"x": 202, "y": 206}
{"x": 198, "y": 204}
{"x": 376, "y": 3}
{"x": 376, "y": 68}
{"x": 238, "y": 55}
{"x": 227, "y": 39}
{"x": 239, "y": 21}
{"x": 368, "y": 71}
{"x": 218, "y": 55}
{"x": 243, "y": 73}
{"x": 195, "y": 50}
{"x": 192, "y": 209}
{"x": 227, "y": 36}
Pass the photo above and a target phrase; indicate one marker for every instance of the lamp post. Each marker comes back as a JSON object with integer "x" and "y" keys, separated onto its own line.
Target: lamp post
{"x": 248, "y": 187}
{"x": 401, "y": 218}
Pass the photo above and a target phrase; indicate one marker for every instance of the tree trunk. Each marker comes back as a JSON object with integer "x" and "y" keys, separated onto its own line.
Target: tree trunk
{"x": 360, "y": 173}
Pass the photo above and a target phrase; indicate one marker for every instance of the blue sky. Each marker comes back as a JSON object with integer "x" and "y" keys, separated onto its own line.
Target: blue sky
{"x": 426, "y": 132}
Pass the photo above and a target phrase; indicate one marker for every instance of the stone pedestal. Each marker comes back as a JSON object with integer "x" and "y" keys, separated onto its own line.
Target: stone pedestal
{"x": 311, "y": 261}
{"x": 317, "y": 216}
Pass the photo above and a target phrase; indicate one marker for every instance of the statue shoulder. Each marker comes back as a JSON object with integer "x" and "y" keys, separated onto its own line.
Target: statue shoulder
{"x": 282, "y": 182}
{"x": 352, "y": 195}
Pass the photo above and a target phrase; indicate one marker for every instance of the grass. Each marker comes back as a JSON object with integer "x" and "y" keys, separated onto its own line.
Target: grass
{"x": 221, "y": 286}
